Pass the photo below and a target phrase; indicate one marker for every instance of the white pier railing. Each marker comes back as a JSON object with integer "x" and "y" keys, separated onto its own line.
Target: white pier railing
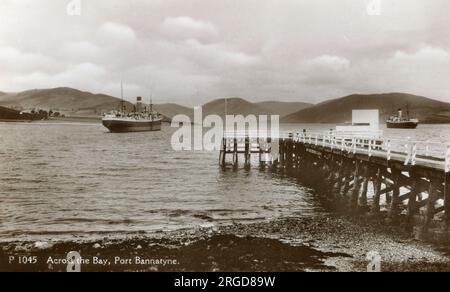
{"x": 435, "y": 154}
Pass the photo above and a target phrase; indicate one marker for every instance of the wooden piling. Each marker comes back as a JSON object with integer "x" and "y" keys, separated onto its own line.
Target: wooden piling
{"x": 223, "y": 153}
{"x": 247, "y": 151}
{"x": 394, "y": 208}
{"x": 357, "y": 186}
{"x": 377, "y": 178}
{"x": 235, "y": 153}
{"x": 365, "y": 188}
{"x": 412, "y": 201}
{"x": 430, "y": 207}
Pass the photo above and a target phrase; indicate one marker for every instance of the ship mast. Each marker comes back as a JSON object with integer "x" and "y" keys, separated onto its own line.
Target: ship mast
{"x": 122, "y": 102}
{"x": 151, "y": 103}
{"x": 407, "y": 110}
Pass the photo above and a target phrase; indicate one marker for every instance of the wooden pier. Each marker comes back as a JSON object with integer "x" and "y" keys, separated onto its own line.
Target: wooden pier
{"x": 402, "y": 180}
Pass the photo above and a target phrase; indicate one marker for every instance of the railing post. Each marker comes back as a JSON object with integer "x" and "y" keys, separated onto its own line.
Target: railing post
{"x": 414, "y": 154}
{"x": 408, "y": 152}
{"x": 354, "y": 145}
{"x": 427, "y": 148}
{"x": 447, "y": 160}
{"x": 389, "y": 150}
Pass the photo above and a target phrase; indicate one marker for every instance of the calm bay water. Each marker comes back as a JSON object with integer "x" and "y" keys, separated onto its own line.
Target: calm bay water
{"x": 76, "y": 181}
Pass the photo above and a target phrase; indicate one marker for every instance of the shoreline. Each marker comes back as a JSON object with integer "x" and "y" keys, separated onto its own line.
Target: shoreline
{"x": 62, "y": 120}
{"x": 321, "y": 243}
{"x": 99, "y": 120}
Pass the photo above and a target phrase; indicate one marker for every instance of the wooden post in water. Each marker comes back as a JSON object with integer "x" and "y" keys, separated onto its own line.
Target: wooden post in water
{"x": 394, "y": 208}
{"x": 223, "y": 153}
{"x": 347, "y": 178}
{"x": 412, "y": 201}
{"x": 377, "y": 181}
{"x": 339, "y": 172}
{"x": 235, "y": 153}
{"x": 389, "y": 187}
{"x": 331, "y": 176}
{"x": 356, "y": 187}
{"x": 247, "y": 151}
{"x": 365, "y": 188}
{"x": 430, "y": 208}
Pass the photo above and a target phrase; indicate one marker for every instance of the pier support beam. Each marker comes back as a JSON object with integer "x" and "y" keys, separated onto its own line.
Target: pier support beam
{"x": 365, "y": 188}
{"x": 412, "y": 201}
{"x": 348, "y": 176}
{"x": 430, "y": 208}
{"x": 235, "y": 153}
{"x": 223, "y": 153}
{"x": 247, "y": 152}
{"x": 395, "y": 202}
{"x": 356, "y": 186}
{"x": 377, "y": 178}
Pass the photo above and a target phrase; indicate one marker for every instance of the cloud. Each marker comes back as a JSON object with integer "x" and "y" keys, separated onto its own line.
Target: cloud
{"x": 82, "y": 50}
{"x": 14, "y": 60}
{"x": 218, "y": 54}
{"x": 424, "y": 54}
{"x": 327, "y": 62}
{"x": 324, "y": 70}
{"x": 185, "y": 27}
{"x": 85, "y": 75}
{"x": 117, "y": 32}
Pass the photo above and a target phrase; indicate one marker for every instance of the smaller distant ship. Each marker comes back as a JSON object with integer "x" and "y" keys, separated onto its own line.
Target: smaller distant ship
{"x": 140, "y": 120}
{"x": 401, "y": 122}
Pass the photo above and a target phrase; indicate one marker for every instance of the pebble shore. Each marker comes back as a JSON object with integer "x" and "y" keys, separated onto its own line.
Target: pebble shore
{"x": 328, "y": 243}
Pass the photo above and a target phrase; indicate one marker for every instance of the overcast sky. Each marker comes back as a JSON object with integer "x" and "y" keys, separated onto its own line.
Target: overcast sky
{"x": 190, "y": 51}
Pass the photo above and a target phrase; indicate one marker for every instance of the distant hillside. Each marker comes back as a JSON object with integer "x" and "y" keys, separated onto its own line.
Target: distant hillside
{"x": 283, "y": 108}
{"x": 233, "y": 106}
{"x": 62, "y": 99}
{"x": 170, "y": 110}
{"x": 340, "y": 110}
{"x": 76, "y": 103}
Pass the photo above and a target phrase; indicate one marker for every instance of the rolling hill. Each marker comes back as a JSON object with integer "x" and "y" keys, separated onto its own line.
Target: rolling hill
{"x": 170, "y": 110}
{"x": 283, "y": 108}
{"x": 76, "y": 103}
{"x": 233, "y": 106}
{"x": 63, "y": 99}
{"x": 340, "y": 110}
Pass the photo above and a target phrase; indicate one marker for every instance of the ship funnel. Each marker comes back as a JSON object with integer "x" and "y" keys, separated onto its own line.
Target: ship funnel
{"x": 139, "y": 106}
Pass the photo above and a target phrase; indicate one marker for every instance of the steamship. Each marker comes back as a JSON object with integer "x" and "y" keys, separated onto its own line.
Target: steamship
{"x": 401, "y": 122}
{"x": 140, "y": 120}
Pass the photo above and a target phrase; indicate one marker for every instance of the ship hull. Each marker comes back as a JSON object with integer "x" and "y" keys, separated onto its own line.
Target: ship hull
{"x": 402, "y": 125}
{"x": 120, "y": 126}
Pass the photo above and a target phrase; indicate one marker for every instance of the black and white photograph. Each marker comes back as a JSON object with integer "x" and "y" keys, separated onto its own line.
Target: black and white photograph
{"x": 224, "y": 137}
